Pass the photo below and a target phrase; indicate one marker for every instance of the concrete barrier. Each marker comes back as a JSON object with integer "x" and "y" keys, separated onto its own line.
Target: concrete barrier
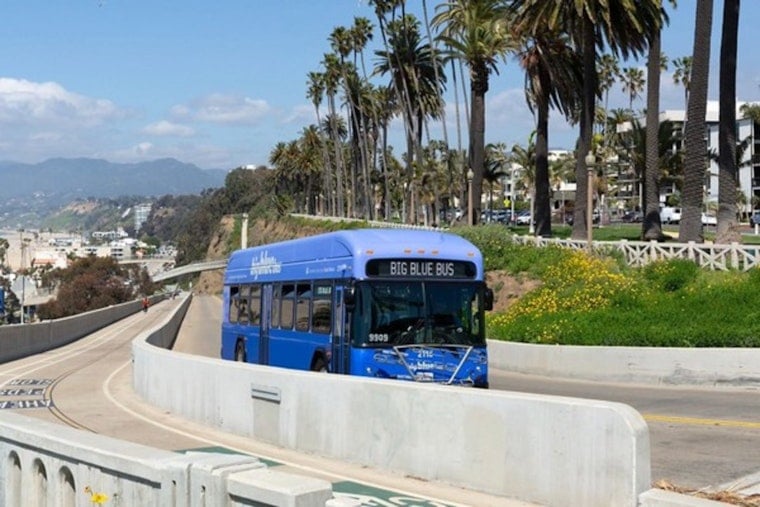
{"x": 49, "y": 464}
{"x": 541, "y": 449}
{"x": 17, "y": 341}
{"x": 643, "y": 365}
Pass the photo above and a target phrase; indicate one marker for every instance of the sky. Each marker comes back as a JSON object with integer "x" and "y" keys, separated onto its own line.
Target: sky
{"x": 218, "y": 84}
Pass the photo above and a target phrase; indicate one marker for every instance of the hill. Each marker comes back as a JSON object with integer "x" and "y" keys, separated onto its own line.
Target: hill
{"x": 35, "y": 190}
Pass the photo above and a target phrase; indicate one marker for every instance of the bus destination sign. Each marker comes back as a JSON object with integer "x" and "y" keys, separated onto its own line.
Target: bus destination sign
{"x": 427, "y": 268}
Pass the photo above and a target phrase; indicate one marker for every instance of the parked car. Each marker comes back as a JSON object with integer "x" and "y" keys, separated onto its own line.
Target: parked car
{"x": 709, "y": 219}
{"x": 670, "y": 215}
{"x": 496, "y": 215}
{"x": 754, "y": 219}
{"x": 523, "y": 218}
{"x": 632, "y": 216}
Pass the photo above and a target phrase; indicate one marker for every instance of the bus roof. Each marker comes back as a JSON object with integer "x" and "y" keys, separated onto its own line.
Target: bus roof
{"x": 344, "y": 254}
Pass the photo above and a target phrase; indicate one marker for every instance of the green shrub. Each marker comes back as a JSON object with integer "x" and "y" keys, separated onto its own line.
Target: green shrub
{"x": 671, "y": 275}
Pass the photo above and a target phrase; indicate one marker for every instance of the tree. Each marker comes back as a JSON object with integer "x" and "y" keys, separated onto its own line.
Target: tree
{"x": 656, "y": 62}
{"x": 476, "y": 32}
{"x": 494, "y": 168}
{"x": 608, "y": 71}
{"x": 633, "y": 83}
{"x": 682, "y": 75}
{"x": 411, "y": 64}
{"x": 90, "y": 283}
{"x": 624, "y": 26}
{"x": 695, "y": 147}
{"x": 315, "y": 91}
{"x": 552, "y": 78}
{"x": 728, "y": 173}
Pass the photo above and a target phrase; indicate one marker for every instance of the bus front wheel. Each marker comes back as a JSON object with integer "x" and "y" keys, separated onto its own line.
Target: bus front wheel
{"x": 240, "y": 352}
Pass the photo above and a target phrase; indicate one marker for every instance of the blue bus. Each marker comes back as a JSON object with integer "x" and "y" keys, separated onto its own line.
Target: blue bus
{"x": 389, "y": 303}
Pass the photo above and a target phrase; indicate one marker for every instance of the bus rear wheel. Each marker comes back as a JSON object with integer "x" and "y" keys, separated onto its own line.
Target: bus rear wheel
{"x": 240, "y": 352}
{"x": 319, "y": 365}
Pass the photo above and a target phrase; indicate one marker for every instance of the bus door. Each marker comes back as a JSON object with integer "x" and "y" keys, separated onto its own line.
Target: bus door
{"x": 340, "y": 339}
{"x": 266, "y": 322}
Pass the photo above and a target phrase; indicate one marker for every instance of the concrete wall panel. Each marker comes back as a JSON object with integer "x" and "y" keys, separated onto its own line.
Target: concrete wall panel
{"x": 649, "y": 365}
{"x": 547, "y": 450}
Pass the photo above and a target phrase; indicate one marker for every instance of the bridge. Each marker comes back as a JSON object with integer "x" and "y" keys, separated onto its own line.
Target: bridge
{"x": 189, "y": 269}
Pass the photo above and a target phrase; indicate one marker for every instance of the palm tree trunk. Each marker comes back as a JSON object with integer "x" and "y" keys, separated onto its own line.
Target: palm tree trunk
{"x": 727, "y": 230}
{"x": 543, "y": 215}
{"x": 695, "y": 147}
{"x": 651, "y": 227}
{"x": 586, "y": 125}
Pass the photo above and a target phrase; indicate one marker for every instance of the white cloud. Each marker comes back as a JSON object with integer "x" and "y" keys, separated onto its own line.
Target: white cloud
{"x": 303, "y": 114}
{"x": 167, "y": 128}
{"x": 48, "y": 104}
{"x": 224, "y": 109}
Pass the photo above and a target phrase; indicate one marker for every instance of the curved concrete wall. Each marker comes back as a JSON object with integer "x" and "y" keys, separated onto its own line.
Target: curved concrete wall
{"x": 42, "y": 463}
{"x": 17, "y": 341}
{"x": 541, "y": 449}
{"x": 645, "y": 365}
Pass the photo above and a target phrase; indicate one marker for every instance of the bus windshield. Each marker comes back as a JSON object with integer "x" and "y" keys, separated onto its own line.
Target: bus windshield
{"x": 389, "y": 313}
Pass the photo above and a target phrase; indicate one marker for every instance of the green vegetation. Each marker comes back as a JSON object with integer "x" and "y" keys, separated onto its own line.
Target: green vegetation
{"x": 589, "y": 300}
{"x": 90, "y": 283}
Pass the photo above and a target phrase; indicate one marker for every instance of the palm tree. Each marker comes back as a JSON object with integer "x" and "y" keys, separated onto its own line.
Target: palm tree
{"x": 411, "y": 64}
{"x": 695, "y": 148}
{"x": 682, "y": 75}
{"x": 608, "y": 70}
{"x": 667, "y": 160}
{"x": 476, "y": 32}
{"x": 633, "y": 83}
{"x": 751, "y": 111}
{"x": 315, "y": 91}
{"x": 656, "y": 63}
{"x": 331, "y": 81}
{"x": 626, "y": 28}
{"x": 552, "y": 78}
{"x": 525, "y": 157}
{"x": 494, "y": 170}
{"x": 728, "y": 177}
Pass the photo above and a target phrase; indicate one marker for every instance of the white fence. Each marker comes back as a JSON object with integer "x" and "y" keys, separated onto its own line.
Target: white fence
{"x": 638, "y": 253}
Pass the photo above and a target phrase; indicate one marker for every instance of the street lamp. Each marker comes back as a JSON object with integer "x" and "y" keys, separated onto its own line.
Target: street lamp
{"x": 244, "y": 231}
{"x": 470, "y": 175}
{"x": 590, "y": 162}
{"x": 514, "y": 167}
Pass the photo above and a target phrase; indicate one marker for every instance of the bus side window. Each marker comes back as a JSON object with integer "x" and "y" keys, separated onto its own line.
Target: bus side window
{"x": 321, "y": 314}
{"x": 287, "y": 307}
{"x": 303, "y": 305}
{"x": 234, "y": 303}
{"x": 276, "y": 298}
{"x": 243, "y": 305}
{"x": 255, "y": 305}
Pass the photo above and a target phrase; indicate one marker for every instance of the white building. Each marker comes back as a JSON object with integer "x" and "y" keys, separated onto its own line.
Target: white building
{"x": 141, "y": 215}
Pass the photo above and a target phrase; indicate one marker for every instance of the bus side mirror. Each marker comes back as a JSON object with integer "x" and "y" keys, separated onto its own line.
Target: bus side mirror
{"x": 488, "y": 299}
{"x": 349, "y": 298}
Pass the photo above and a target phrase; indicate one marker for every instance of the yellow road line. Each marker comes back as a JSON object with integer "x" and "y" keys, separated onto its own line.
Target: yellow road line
{"x": 698, "y": 421}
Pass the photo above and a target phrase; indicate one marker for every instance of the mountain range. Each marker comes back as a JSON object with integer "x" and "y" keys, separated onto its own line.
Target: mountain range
{"x": 29, "y": 192}
{"x": 62, "y": 180}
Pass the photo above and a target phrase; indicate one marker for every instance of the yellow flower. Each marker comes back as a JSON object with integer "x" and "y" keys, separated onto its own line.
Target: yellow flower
{"x": 96, "y": 498}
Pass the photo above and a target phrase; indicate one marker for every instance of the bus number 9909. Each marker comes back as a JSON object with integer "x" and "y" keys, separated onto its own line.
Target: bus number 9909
{"x": 378, "y": 338}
